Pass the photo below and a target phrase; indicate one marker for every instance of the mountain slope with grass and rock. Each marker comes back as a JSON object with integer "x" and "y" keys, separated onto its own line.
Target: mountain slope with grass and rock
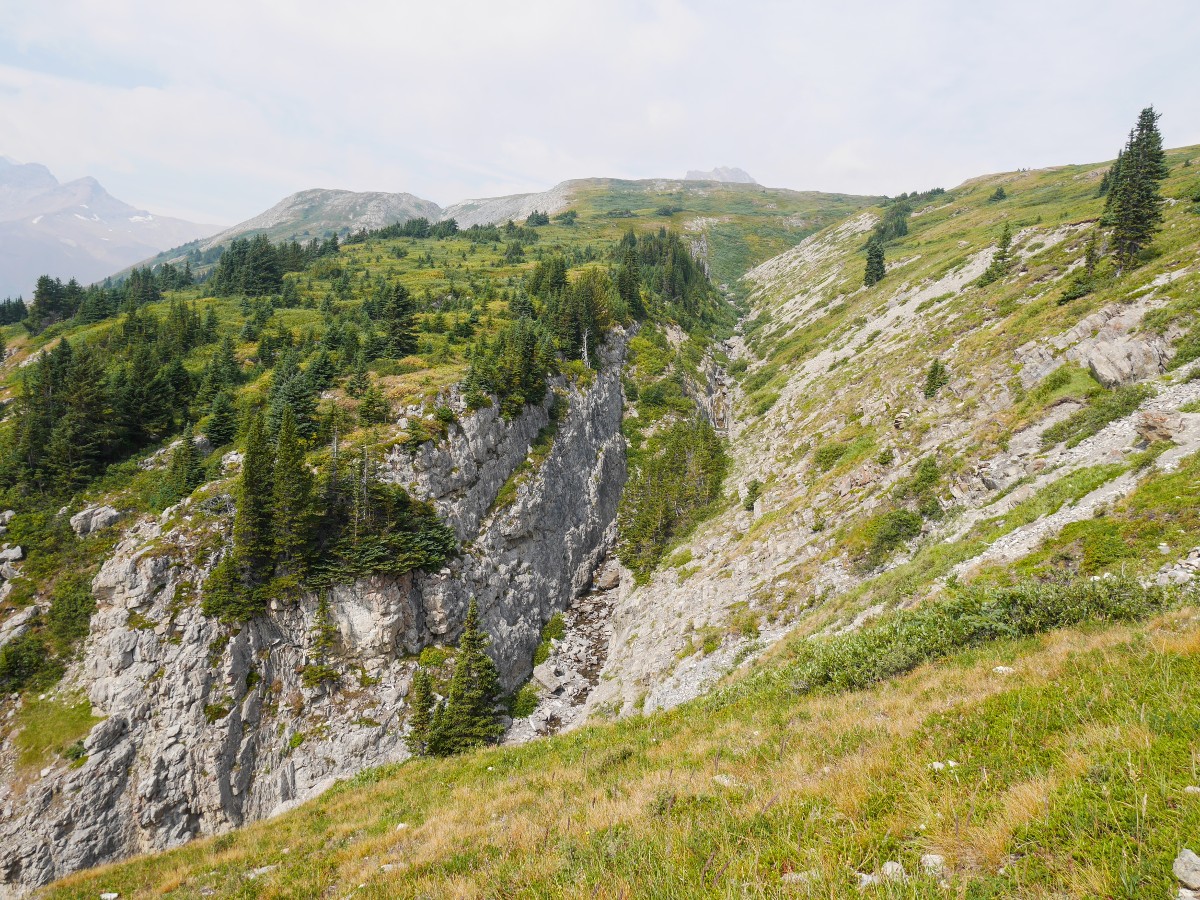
{"x": 784, "y": 543}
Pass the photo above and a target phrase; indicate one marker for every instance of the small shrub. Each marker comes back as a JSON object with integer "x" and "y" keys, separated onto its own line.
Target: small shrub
{"x": 890, "y": 531}
{"x": 552, "y": 631}
{"x": 753, "y": 492}
{"x": 26, "y": 662}
{"x": 936, "y": 378}
{"x": 826, "y": 456}
{"x": 71, "y": 608}
{"x": 972, "y": 615}
{"x": 1105, "y": 407}
{"x": 524, "y": 701}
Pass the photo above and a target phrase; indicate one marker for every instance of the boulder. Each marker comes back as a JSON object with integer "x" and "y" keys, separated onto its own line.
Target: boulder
{"x": 1124, "y": 360}
{"x": 93, "y": 519}
{"x": 547, "y": 677}
{"x": 1187, "y": 869}
{"x": 608, "y": 579}
{"x": 12, "y": 554}
{"x": 1157, "y": 426}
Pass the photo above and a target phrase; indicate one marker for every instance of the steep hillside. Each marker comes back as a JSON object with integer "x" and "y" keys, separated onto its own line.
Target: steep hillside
{"x": 880, "y": 584}
{"x": 1059, "y": 766}
{"x": 73, "y": 230}
{"x": 1055, "y": 438}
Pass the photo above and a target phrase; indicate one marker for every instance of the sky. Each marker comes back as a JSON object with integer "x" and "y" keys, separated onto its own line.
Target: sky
{"x": 214, "y": 111}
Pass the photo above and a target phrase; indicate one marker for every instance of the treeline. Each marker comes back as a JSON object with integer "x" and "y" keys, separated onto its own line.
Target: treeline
{"x": 660, "y": 266}
{"x": 84, "y": 406}
{"x": 55, "y": 301}
{"x": 553, "y": 318}
{"x": 419, "y": 227}
{"x": 255, "y": 267}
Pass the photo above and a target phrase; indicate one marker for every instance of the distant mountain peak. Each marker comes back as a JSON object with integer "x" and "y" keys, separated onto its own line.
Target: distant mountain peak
{"x": 76, "y": 229}
{"x": 725, "y": 174}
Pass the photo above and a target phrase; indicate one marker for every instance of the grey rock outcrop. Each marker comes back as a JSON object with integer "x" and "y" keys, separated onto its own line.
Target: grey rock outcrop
{"x": 93, "y": 519}
{"x": 206, "y": 727}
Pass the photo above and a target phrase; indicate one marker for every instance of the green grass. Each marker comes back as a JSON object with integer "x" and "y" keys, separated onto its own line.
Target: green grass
{"x": 1161, "y": 510}
{"x": 48, "y": 728}
{"x": 1068, "y": 781}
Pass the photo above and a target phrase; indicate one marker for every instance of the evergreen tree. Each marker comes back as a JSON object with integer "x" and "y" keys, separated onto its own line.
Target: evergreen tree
{"x": 399, "y": 317}
{"x": 875, "y": 265}
{"x": 1133, "y": 208}
{"x": 373, "y": 409}
{"x": 358, "y": 382}
{"x": 936, "y": 378}
{"x": 419, "y": 719}
{"x": 469, "y": 718}
{"x": 629, "y": 284}
{"x": 292, "y": 499}
{"x": 222, "y": 421}
{"x": 185, "y": 472}
{"x": 253, "y": 535}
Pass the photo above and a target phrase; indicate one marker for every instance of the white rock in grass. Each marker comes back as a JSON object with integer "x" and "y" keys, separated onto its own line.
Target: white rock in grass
{"x": 893, "y": 871}
{"x": 933, "y": 864}
{"x": 1187, "y": 869}
{"x": 800, "y": 877}
{"x": 1191, "y": 789}
{"x": 109, "y": 895}
{"x": 865, "y": 881}
{"x": 1004, "y": 670}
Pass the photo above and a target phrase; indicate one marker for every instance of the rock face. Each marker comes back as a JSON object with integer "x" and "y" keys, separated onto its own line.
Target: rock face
{"x": 208, "y": 727}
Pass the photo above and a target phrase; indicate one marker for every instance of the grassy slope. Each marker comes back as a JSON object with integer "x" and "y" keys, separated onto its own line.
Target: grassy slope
{"x": 1069, "y": 783}
{"x": 975, "y": 332}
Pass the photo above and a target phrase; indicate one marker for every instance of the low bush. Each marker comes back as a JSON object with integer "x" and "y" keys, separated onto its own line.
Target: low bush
{"x": 972, "y": 615}
{"x": 1104, "y": 407}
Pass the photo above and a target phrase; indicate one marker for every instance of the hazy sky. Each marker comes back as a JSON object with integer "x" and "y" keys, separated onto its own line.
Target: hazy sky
{"x": 216, "y": 110}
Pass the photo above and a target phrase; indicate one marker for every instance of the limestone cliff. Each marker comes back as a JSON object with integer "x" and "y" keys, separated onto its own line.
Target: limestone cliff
{"x": 205, "y": 727}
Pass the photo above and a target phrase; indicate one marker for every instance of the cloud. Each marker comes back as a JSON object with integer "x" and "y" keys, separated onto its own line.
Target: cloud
{"x": 218, "y": 111}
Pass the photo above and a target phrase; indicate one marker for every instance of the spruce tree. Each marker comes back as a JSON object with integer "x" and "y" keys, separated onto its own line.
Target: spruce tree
{"x": 629, "y": 282}
{"x": 253, "y": 536}
{"x": 401, "y": 339}
{"x": 222, "y": 421}
{"x": 373, "y": 409}
{"x": 1133, "y": 208}
{"x": 420, "y": 718}
{"x": 469, "y": 718}
{"x": 185, "y": 472}
{"x": 292, "y": 499}
{"x": 876, "y": 268}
